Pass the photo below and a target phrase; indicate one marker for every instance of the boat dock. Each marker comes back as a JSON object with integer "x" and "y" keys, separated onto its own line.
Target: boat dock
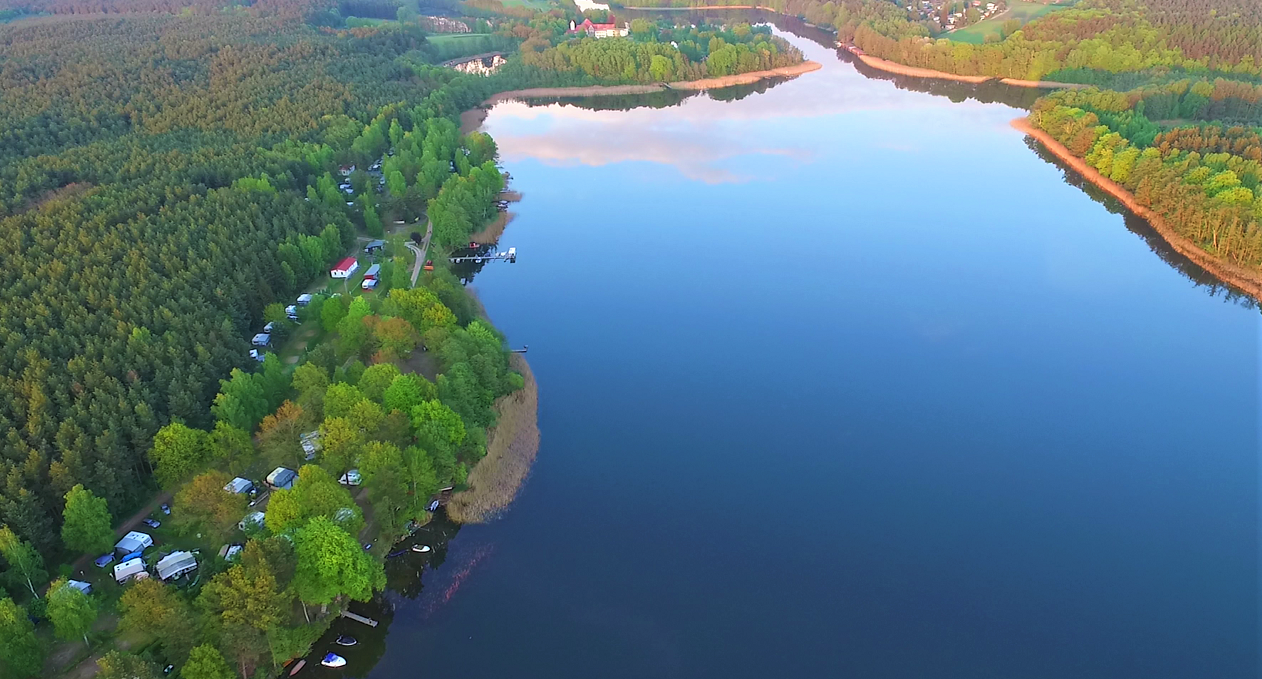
{"x": 508, "y": 256}
{"x": 359, "y": 618}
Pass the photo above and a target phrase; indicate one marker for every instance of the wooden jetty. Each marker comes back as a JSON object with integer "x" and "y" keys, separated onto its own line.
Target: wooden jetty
{"x": 359, "y": 618}
{"x": 508, "y": 256}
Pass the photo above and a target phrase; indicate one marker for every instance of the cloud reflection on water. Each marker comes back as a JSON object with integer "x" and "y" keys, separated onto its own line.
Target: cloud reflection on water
{"x": 701, "y": 138}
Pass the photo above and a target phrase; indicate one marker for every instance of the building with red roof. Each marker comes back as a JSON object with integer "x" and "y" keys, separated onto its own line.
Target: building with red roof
{"x": 344, "y": 268}
{"x": 609, "y": 30}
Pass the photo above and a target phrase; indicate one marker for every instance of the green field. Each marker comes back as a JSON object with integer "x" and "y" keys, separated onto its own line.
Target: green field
{"x": 1024, "y": 12}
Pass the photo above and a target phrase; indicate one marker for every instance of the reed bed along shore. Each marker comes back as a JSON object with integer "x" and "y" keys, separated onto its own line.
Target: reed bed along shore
{"x": 511, "y": 447}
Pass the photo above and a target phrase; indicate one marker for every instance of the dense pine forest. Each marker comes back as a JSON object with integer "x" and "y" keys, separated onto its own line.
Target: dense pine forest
{"x": 136, "y": 268}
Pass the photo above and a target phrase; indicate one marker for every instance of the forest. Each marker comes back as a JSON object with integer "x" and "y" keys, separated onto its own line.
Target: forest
{"x": 664, "y": 53}
{"x": 165, "y": 181}
{"x": 1203, "y": 178}
{"x": 1088, "y": 42}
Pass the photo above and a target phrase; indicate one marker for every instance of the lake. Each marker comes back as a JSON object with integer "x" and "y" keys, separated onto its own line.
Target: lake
{"x": 843, "y": 379}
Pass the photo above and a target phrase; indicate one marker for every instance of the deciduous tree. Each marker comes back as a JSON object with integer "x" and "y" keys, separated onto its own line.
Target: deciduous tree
{"x": 21, "y": 654}
{"x": 26, "y": 566}
{"x": 331, "y": 564}
{"x": 178, "y": 452}
{"x": 203, "y": 503}
{"x": 86, "y": 522}
{"x": 71, "y": 611}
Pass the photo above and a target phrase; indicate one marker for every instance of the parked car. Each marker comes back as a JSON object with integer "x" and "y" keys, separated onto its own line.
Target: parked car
{"x": 166, "y": 509}
{"x": 104, "y": 560}
{"x": 152, "y": 523}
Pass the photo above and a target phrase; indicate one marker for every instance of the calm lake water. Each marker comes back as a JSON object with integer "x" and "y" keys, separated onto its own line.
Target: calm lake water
{"x": 841, "y": 379}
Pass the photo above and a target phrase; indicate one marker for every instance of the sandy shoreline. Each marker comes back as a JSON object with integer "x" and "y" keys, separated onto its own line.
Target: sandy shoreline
{"x": 1248, "y": 281}
{"x": 688, "y": 85}
{"x": 915, "y": 72}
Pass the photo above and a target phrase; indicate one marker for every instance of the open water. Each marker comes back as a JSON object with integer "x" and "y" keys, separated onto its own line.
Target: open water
{"x": 841, "y": 378}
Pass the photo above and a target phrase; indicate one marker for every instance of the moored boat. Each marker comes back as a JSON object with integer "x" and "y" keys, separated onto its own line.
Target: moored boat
{"x": 333, "y": 660}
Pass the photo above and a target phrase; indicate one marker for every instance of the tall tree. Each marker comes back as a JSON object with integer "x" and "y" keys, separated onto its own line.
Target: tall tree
{"x": 204, "y": 503}
{"x": 71, "y": 611}
{"x": 178, "y": 451}
{"x": 206, "y": 662}
{"x": 21, "y": 654}
{"x": 26, "y": 566}
{"x": 331, "y": 564}
{"x": 120, "y": 665}
{"x": 154, "y": 608}
{"x": 86, "y": 522}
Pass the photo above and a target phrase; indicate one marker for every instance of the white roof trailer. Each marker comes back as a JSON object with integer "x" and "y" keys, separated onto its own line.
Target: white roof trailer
{"x": 134, "y": 541}
{"x": 130, "y": 569}
{"x": 176, "y": 564}
{"x": 239, "y": 485}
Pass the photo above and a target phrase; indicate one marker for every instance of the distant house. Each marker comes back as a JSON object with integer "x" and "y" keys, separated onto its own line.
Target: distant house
{"x": 609, "y": 30}
{"x": 346, "y": 170}
{"x": 374, "y": 246}
{"x": 134, "y": 541}
{"x": 239, "y": 486}
{"x": 282, "y": 478}
{"x": 176, "y": 564}
{"x": 345, "y": 268}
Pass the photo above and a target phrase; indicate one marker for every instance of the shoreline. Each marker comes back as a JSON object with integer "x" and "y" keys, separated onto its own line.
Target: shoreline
{"x": 614, "y": 90}
{"x": 917, "y": 72}
{"x": 511, "y": 448}
{"x": 1249, "y": 282}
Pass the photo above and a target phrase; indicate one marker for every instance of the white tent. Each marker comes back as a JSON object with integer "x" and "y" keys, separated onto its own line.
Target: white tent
{"x": 128, "y": 569}
{"x": 239, "y": 485}
{"x": 176, "y": 564}
{"x": 133, "y": 542}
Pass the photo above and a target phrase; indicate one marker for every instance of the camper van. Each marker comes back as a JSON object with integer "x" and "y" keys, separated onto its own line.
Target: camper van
{"x": 133, "y": 542}
{"x": 130, "y": 569}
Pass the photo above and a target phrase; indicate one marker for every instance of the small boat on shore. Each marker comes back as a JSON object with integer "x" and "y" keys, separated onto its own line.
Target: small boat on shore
{"x": 297, "y": 666}
{"x": 345, "y": 640}
{"x": 333, "y": 660}
{"x": 421, "y": 549}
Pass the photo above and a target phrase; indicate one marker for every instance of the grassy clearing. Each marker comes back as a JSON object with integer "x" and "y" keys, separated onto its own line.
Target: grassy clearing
{"x": 1025, "y": 12}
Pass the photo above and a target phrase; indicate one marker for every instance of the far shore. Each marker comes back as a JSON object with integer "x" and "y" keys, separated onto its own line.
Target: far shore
{"x": 688, "y": 85}
{"x": 1248, "y": 281}
{"x": 916, "y": 72}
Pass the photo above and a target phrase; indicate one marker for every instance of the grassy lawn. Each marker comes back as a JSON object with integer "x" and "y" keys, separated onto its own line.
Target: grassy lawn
{"x": 1025, "y": 12}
